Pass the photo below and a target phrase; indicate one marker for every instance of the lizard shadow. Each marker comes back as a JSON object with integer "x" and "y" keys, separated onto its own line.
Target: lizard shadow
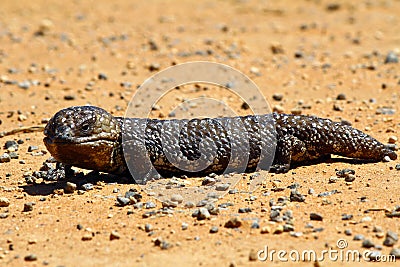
{"x": 80, "y": 179}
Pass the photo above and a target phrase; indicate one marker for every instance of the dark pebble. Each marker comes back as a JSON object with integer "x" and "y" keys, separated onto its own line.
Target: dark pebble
{"x": 87, "y": 186}
{"x": 398, "y": 167}
{"x": 214, "y": 230}
{"x": 148, "y": 227}
{"x": 345, "y": 172}
{"x": 150, "y": 205}
{"x": 233, "y": 222}
{"x": 69, "y": 97}
{"x": 102, "y": 76}
{"x": 341, "y": 97}
{"x": 255, "y": 225}
{"x": 358, "y": 237}
{"x": 391, "y": 57}
{"x": 277, "y": 97}
{"x": 295, "y": 196}
{"x": 5, "y": 157}
{"x": 32, "y": 148}
{"x": 28, "y": 206}
{"x": 123, "y": 201}
{"x": 390, "y": 239}
{"x": 348, "y": 232}
{"x": 367, "y": 244}
{"x": 333, "y": 7}
{"x": 244, "y": 210}
{"x": 30, "y": 257}
{"x": 201, "y": 214}
{"x": 208, "y": 181}
{"x": 79, "y": 226}
{"x": 346, "y": 217}
{"x": 11, "y": 144}
{"x": 114, "y": 235}
{"x": 316, "y": 217}
{"x": 245, "y": 106}
{"x": 14, "y": 155}
{"x": 395, "y": 252}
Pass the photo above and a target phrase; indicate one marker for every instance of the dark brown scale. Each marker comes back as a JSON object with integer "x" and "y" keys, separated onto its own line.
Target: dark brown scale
{"x": 91, "y": 138}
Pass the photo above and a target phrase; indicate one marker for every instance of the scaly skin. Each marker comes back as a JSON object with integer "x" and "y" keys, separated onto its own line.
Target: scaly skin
{"x": 89, "y": 137}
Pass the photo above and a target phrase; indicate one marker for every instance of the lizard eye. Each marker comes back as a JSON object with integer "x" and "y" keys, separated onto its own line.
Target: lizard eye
{"x": 85, "y": 128}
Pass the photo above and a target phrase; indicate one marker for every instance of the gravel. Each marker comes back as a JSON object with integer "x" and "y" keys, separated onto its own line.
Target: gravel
{"x": 4, "y": 202}
{"x": 316, "y": 217}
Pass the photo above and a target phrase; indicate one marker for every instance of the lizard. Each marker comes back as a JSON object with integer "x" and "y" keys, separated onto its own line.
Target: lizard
{"x": 91, "y": 138}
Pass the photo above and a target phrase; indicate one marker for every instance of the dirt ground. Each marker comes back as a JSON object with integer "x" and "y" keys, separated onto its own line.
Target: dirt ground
{"x": 55, "y": 54}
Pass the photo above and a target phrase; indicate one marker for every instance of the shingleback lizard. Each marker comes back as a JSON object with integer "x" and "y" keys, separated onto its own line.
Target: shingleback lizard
{"x": 91, "y": 138}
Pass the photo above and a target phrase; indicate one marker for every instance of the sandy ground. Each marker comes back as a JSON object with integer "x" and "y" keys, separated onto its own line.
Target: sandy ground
{"x": 59, "y": 54}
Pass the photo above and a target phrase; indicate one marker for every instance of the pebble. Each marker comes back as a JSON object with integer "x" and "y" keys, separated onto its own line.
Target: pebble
{"x": 87, "y": 186}
{"x": 255, "y": 225}
{"x": 190, "y": 204}
{"x": 295, "y": 196}
{"x": 277, "y": 96}
{"x": 201, "y": 214}
{"x": 278, "y": 230}
{"x": 24, "y": 85}
{"x": 395, "y": 252}
{"x": 32, "y": 148}
{"x": 70, "y": 188}
{"x": 184, "y": 226}
{"x": 358, "y": 237}
{"x": 390, "y": 239}
{"x": 397, "y": 167}
{"x": 233, "y": 222}
{"x": 30, "y": 257}
{"x": 288, "y": 228}
{"x": 391, "y": 57}
{"x": 374, "y": 255}
{"x": 150, "y": 205}
{"x": 341, "y": 97}
{"x": 208, "y": 181}
{"x": 11, "y": 145}
{"x": 3, "y": 215}
{"x": 5, "y": 157}
{"x": 265, "y": 230}
{"x": 367, "y": 244}
{"x": 102, "y": 76}
{"x": 222, "y": 187}
{"x": 244, "y": 210}
{"x": 4, "y": 202}
{"x": 148, "y": 227}
{"x": 28, "y": 206}
{"x": 114, "y": 235}
{"x": 316, "y": 217}
{"x": 123, "y": 201}
{"x": 346, "y": 217}
{"x": 253, "y": 255}
{"x": 69, "y": 97}
{"x": 214, "y": 230}
{"x": 392, "y": 139}
{"x": 278, "y": 108}
{"x": 177, "y": 198}
{"x": 385, "y": 111}
{"x": 348, "y": 232}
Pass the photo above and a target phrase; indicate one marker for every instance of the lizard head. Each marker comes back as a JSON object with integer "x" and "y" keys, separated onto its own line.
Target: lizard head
{"x": 83, "y": 136}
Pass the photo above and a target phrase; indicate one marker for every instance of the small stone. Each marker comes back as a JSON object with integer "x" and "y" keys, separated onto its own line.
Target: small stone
{"x": 277, "y": 96}
{"x": 114, "y": 235}
{"x": 154, "y": 66}
{"x": 347, "y": 217}
{"x": 190, "y": 204}
{"x": 358, "y": 237}
{"x": 244, "y": 210}
{"x": 201, "y": 214}
{"x": 391, "y": 57}
{"x": 255, "y": 225}
{"x": 184, "y": 226}
{"x": 295, "y": 196}
{"x": 315, "y": 217}
{"x": 367, "y": 244}
{"x": 255, "y": 71}
{"x": 208, "y": 181}
{"x": 5, "y": 157}
{"x": 102, "y": 76}
{"x": 3, "y": 215}
{"x": 177, "y": 198}
{"x": 70, "y": 188}
{"x": 397, "y": 167}
{"x": 24, "y": 85}
{"x": 30, "y": 257}
{"x": 222, "y": 187}
{"x": 278, "y": 109}
{"x": 253, "y": 256}
{"x": 341, "y": 97}
{"x": 392, "y": 139}
{"x": 150, "y": 205}
{"x": 4, "y": 202}
{"x": 148, "y": 227}
{"x": 265, "y": 230}
{"x": 69, "y": 97}
{"x": 277, "y": 48}
{"x": 32, "y": 148}
{"x": 395, "y": 252}
{"x": 390, "y": 239}
{"x": 87, "y": 186}
{"x": 214, "y": 230}
{"x": 28, "y": 206}
{"x": 374, "y": 255}
{"x": 288, "y": 228}
{"x": 87, "y": 237}
{"x": 350, "y": 178}
{"x": 366, "y": 219}
{"x": 233, "y": 222}
{"x": 348, "y": 232}
{"x": 278, "y": 230}
{"x": 123, "y": 201}
{"x": 11, "y": 145}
